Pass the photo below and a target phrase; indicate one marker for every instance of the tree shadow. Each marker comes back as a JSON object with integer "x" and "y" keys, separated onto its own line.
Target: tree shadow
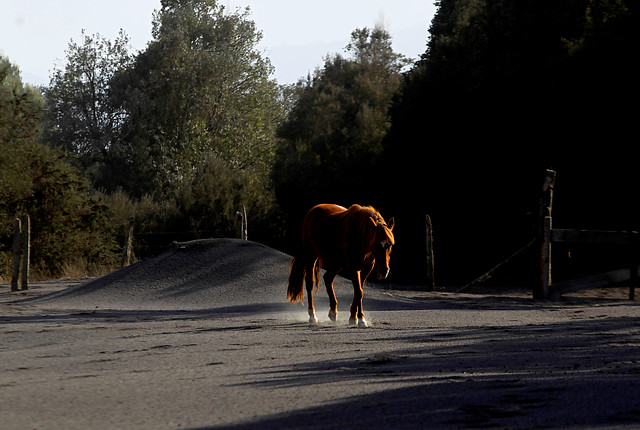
{"x": 571, "y": 374}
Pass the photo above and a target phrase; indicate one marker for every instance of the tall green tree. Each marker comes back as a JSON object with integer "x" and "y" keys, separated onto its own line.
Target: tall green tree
{"x": 200, "y": 88}
{"x": 82, "y": 118}
{"x": 333, "y": 136}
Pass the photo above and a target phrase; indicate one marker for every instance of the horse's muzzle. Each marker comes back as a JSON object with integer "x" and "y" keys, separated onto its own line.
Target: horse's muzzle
{"x": 383, "y": 273}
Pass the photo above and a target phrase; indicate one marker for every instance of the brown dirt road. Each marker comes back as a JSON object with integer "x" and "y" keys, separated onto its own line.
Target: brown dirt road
{"x": 202, "y": 338}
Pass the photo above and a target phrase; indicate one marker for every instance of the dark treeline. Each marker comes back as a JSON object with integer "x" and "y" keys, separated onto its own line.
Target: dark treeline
{"x": 505, "y": 90}
{"x": 179, "y": 135}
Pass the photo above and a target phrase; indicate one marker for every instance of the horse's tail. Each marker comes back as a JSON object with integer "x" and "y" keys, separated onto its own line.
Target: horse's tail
{"x": 296, "y": 280}
{"x": 297, "y": 273}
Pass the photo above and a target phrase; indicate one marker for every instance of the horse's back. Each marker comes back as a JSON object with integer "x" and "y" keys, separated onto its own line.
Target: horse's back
{"x": 322, "y": 213}
{"x": 337, "y": 235}
{"x": 322, "y": 229}
{"x": 326, "y": 210}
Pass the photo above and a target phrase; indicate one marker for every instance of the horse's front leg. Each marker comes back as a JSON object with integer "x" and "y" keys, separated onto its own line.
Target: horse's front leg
{"x": 357, "y": 313}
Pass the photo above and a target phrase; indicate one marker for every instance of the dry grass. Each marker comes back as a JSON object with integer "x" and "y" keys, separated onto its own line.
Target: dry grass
{"x": 79, "y": 268}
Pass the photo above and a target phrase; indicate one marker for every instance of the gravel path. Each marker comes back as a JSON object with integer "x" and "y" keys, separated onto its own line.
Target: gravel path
{"x": 201, "y": 337}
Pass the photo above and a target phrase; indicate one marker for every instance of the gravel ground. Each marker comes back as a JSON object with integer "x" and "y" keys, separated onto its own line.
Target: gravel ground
{"x": 201, "y": 337}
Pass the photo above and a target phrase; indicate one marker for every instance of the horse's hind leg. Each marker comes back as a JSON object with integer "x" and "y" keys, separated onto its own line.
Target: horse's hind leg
{"x": 310, "y": 278}
{"x": 357, "y": 313}
{"x": 329, "y": 276}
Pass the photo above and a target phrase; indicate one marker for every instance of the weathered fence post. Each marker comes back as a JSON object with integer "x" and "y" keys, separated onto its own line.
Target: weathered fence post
{"x": 429, "y": 255}
{"x": 544, "y": 236}
{"x": 26, "y": 250}
{"x": 545, "y": 269}
{"x": 17, "y": 251}
{"x": 634, "y": 252}
{"x": 243, "y": 216}
{"x": 128, "y": 246}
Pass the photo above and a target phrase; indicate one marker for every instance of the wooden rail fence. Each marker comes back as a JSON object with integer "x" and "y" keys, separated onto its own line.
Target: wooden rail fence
{"x": 549, "y": 235}
{"x": 629, "y": 274}
{"x": 22, "y": 248}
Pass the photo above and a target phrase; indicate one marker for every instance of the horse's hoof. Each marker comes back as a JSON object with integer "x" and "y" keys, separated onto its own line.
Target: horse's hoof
{"x": 333, "y": 316}
{"x": 313, "y": 319}
{"x": 362, "y": 323}
{"x": 352, "y": 321}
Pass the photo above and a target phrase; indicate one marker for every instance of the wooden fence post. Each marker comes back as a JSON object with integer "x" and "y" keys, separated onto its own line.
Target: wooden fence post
{"x": 429, "y": 255}
{"x": 545, "y": 274}
{"x": 128, "y": 246}
{"x": 26, "y": 250}
{"x": 17, "y": 250}
{"x": 244, "y": 228}
{"x": 545, "y": 209}
{"x": 633, "y": 264}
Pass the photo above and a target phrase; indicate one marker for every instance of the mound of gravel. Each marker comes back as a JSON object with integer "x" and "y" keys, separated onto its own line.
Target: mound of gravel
{"x": 202, "y": 274}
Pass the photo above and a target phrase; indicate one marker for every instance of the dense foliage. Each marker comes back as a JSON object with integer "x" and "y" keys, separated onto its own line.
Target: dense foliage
{"x": 179, "y": 135}
{"x": 200, "y": 87}
{"x": 69, "y": 227}
{"x": 189, "y": 121}
{"x": 332, "y": 138}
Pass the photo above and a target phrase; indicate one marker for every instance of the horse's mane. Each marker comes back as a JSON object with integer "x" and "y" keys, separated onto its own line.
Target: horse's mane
{"x": 357, "y": 217}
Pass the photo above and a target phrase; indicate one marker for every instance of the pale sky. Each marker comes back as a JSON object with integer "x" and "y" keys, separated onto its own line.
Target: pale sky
{"x": 297, "y": 34}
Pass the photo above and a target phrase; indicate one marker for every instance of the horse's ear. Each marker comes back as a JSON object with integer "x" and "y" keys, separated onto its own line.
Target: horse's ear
{"x": 391, "y": 223}
{"x": 373, "y": 221}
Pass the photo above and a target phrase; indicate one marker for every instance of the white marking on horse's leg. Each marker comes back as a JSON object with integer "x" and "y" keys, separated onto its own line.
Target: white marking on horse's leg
{"x": 362, "y": 322}
{"x": 333, "y": 316}
{"x": 312, "y": 317}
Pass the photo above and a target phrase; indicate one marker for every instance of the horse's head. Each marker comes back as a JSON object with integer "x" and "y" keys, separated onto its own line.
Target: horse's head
{"x": 383, "y": 240}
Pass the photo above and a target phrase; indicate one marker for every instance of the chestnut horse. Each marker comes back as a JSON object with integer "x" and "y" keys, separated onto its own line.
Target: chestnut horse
{"x": 348, "y": 241}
